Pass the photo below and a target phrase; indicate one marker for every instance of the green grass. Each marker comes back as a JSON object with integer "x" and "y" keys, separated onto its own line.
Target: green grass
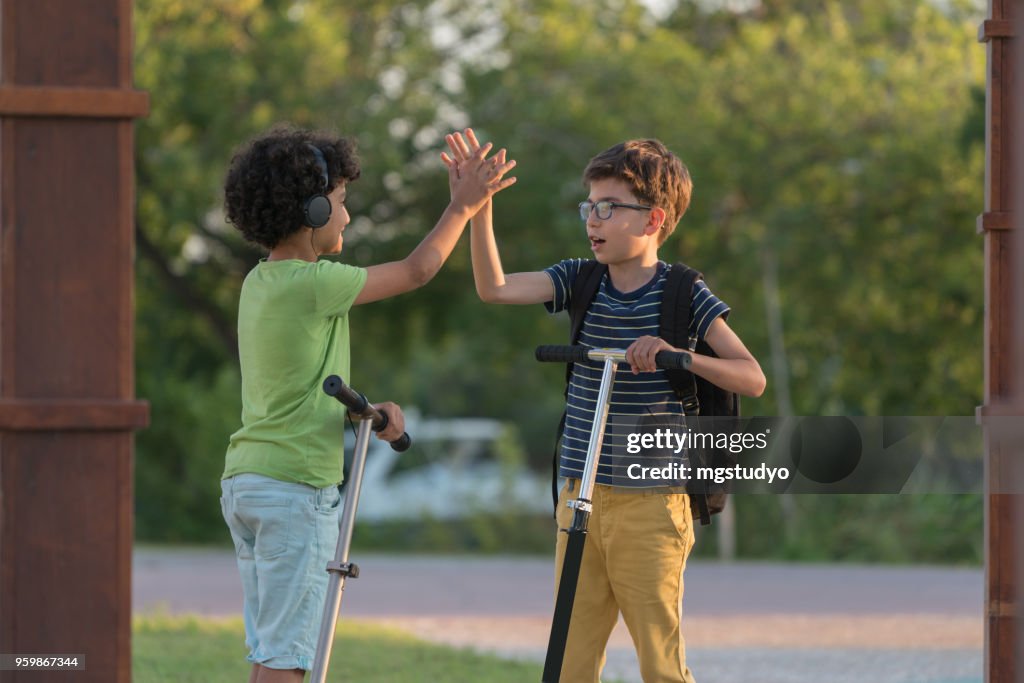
{"x": 187, "y": 649}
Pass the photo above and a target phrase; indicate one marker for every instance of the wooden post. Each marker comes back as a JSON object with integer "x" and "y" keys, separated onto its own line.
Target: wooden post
{"x": 1002, "y": 462}
{"x": 67, "y": 408}
{"x": 1017, "y": 303}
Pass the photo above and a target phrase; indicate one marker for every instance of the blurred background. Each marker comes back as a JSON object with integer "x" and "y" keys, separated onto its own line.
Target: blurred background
{"x": 837, "y": 155}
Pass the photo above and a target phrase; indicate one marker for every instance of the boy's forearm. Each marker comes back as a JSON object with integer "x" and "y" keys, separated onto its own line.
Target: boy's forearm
{"x": 741, "y": 375}
{"x": 426, "y": 259}
{"x": 488, "y": 274}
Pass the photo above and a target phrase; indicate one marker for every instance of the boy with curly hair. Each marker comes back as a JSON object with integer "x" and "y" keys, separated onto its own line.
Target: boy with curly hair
{"x": 285, "y": 191}
{"x": 638, "y": 539}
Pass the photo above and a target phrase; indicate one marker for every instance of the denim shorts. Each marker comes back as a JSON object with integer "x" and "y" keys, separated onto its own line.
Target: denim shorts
{"x": 284, "y": 536}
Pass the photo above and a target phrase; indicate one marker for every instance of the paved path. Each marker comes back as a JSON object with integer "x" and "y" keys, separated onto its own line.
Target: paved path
{"x": 787, "y": 623}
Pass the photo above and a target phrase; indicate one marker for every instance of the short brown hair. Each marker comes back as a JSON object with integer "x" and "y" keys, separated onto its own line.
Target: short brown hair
{"x": 655, "y": 176}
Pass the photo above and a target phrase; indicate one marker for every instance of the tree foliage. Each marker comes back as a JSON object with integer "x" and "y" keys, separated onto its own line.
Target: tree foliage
{"x": 836, "y": 151}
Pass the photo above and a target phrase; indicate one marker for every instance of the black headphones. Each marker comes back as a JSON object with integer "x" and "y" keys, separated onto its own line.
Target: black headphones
{"x": 318, "y": 207}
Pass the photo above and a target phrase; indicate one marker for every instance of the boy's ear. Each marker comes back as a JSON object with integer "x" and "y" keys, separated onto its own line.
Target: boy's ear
{"x": 655, "y": 219}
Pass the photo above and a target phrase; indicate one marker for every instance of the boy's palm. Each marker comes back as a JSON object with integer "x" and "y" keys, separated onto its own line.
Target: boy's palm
{"x": 472, "y": 177}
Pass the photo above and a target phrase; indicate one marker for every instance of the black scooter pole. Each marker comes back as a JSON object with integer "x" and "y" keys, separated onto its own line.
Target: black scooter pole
{"x": 340, "y": 568}
{"x": 583, "y": 505}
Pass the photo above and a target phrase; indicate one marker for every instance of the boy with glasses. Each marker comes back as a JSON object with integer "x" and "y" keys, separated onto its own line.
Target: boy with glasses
{"x": 637, "y": 544}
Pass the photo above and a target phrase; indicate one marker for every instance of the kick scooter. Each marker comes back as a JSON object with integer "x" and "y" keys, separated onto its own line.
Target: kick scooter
{"x": 583, "y": 506}
{"x": 340, "y": 568}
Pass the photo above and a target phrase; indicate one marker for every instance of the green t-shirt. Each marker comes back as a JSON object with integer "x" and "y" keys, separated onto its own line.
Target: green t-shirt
{"x": 292, "y": 333}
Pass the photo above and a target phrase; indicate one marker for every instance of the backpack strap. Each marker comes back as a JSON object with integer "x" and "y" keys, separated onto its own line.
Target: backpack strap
{"x": 554, "y": 465}
{"x": 674, "y": 327}
{"x": 584, "y": 289}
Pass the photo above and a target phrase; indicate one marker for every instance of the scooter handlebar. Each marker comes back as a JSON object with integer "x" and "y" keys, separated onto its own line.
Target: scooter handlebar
{"x": 668, "y": 360}
{"x": 673, "y": 360}
{"x": 553, "y": 353}
{"x": 358, "y": 405}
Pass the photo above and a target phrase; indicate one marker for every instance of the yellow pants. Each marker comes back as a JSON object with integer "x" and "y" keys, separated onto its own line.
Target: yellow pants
{"x": 633, "y": 562}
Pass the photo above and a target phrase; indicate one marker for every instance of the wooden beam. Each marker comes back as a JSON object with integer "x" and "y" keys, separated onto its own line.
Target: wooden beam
{"x": 990, "y": 29}
{"x": 115, "y": 103}
{"x": 994, "y": 220}
{"x": 1003, "y": 464}
{"x": 64, "y": 415}
{"x": 67, "y": 390}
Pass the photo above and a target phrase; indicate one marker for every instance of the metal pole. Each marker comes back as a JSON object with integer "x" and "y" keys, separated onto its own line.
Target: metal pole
{"x": 611, "y": 361}
{"x": 577, "y": 532}
{"x": 340, "y": 569}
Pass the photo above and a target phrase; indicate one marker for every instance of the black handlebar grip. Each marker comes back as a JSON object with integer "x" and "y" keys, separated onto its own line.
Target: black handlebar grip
{"x": 400, "y": 444}
{"x": 673, "y": 360}
{"x": 554, "y": 353}
{"x": 357, "y": 403}
{"x": 336, "y": 387}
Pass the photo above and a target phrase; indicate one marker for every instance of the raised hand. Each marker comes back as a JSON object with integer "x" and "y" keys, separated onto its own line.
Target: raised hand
{"x": 472, "y": 177}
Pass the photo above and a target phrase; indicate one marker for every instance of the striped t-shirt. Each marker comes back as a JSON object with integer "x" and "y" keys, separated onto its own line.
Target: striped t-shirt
{"x": 615, "y": 320}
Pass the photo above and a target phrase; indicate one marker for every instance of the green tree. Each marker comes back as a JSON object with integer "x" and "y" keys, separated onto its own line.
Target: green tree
{"x": 836, "y": 153}
{"x": 218, "y": 73}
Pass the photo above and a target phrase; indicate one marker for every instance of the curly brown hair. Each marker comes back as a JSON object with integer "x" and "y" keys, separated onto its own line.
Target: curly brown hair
{"x": 272, "y": 176}
{"x": 655, "y": 176}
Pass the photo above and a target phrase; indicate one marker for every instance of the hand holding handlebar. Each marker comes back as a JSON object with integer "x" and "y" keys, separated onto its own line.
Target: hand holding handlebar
{"x": 668, "y": 360}
{"x": 359, "y": 406}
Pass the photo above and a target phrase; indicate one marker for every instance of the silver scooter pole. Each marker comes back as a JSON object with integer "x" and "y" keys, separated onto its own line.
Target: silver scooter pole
{"x": 340, "y": 568}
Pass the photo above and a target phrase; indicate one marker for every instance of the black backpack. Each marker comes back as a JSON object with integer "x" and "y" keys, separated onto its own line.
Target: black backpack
{"x": 698, "y": 396}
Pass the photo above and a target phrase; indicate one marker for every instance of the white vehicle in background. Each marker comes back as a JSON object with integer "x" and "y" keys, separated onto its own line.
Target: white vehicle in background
{"x": 456, "y": 467}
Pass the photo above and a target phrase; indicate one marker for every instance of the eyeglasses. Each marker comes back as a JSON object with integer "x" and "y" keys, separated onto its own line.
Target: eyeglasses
{"x": 604, "y": 208}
